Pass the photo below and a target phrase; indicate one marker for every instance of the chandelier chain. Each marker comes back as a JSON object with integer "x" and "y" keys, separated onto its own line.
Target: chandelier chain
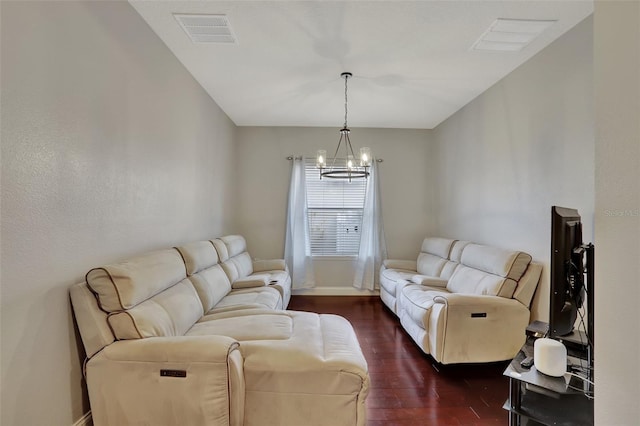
{"x": 345, "y": 101}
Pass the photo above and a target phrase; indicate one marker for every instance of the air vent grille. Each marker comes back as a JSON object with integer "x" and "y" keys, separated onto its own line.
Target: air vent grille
{"x": 510, "y": 35}
{"x": 207, "y": 28}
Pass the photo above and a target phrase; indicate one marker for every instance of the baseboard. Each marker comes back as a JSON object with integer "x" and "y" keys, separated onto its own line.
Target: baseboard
{"x": 85, "y": 420}
{"x": 334, "y": 291}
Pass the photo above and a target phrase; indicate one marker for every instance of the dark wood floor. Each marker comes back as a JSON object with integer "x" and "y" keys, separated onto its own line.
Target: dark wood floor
{"x": 407, "y": 386}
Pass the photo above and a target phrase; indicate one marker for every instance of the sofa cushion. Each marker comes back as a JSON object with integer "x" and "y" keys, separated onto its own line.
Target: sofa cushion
{"x": 440, "y": 247}
{"x": 236, "y": 244}
{"x": 417, "y": 303}
{"x": 169, "y": 313}
{"x": 238, "y": 266}
{"x": 457, "y": 249}
{"x": 429, "y": 264}
{"x": 123, "y": 285}
{"x": 252, "y": 298}
{"x": 212, "y": 285}
{"x": 221, "y": 249}
{"x": 198, "y": 255}
{"x": 474, "y": 281}
{"x": 504, "y": 263}
{"x": 244, "y": 326}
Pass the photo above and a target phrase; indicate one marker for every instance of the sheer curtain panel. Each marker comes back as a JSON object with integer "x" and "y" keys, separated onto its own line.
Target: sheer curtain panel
{"x": 373, "y": 248}
{"x": 297, "y": 253}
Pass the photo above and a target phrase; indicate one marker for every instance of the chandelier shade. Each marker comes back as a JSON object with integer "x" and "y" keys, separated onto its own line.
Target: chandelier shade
{"x": 344, "y": 165}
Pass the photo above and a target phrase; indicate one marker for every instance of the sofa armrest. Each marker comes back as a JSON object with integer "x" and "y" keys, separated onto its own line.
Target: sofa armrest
{"x": 429, "y": 281}
{"x": 172, "y": 349}
{"x": 269, "y": 265}
{"x": 462, "y": 299}
{"x": 255, "y": 280}
{"x": 477, "y": 328}
{"x": 137, "y": 381}
{"x": 409, "y": 265}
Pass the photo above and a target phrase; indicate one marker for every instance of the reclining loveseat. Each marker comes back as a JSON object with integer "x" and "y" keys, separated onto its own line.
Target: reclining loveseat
{"x": 196, "y": 335}
{"x": 462, "y": 302}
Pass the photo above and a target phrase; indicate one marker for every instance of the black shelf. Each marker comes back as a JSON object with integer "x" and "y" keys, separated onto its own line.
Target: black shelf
{"x": 553, "y": 401}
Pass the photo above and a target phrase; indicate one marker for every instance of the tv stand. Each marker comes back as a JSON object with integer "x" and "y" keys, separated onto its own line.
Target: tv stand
{"x": 545, "y": 399}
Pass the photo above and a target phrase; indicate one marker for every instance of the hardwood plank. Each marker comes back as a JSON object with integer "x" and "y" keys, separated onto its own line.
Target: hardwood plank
{"x": 407, "y": 386}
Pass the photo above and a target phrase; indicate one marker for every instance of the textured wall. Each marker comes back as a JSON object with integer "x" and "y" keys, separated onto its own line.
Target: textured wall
{"x": 524, "y": 145}
{"x": 109, "y": 148}
{"x": 263, "y": 182}
{"x": 617, "y": 213}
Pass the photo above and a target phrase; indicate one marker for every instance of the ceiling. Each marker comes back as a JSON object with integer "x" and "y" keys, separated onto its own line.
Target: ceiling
{"x": 412, "y": 61}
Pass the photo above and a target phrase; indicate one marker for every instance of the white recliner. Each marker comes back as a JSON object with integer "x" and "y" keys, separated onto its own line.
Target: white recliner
{"x": 464, "y": 302}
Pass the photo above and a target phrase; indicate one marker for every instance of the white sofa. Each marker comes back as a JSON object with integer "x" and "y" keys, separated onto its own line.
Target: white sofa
{"x": 171, "y": 340}
{"x": 462, "y": 302}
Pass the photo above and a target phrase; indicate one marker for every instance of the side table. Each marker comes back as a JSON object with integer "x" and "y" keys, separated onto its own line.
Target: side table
{"x": 545, "y": 399}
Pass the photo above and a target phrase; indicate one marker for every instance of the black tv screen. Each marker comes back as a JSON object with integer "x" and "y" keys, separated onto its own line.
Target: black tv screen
{"x": 567, "y": 271}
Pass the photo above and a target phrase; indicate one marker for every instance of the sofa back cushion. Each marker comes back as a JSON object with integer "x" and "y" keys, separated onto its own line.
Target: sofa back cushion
{"x": 505, "y": 263}
{"x": 229, "y": 246}
{"x": 236, "y": 244}
{"x": 238, "y": 267}
{"x": 169, "y": 313}
{"x": 437, "y": 246}
{"x": 206, "y": 275}
{"x": 232, "y": 251}
{"x": 468, "y": 280}
{"x": 433, "y": 258}
{"x": 198, "y": 256}
{"x": 147, "y": 296}
{"x": 429, "y": 264}
{"x": 456, "y": 250}
{"x": 488, "y": 271}
{"x": 212, "y": 285}
{"x": 123, "y": 285}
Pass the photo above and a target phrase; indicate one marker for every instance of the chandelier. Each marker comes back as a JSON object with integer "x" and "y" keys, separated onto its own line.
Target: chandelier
{"x": 346, "y": 167}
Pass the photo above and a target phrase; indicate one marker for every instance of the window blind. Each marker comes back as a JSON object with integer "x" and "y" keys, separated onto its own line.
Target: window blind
{"x": 334, "y": 209}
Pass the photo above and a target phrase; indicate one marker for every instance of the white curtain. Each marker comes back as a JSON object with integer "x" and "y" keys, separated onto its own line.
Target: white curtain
{"x": 373, "y": 248}
{"x": 297, "y": 252}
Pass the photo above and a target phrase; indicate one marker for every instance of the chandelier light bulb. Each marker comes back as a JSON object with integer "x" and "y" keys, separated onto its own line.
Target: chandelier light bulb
{"x": 350, "y": 162}
{"x": 365, "y": 156}
{"x": 321, "y": 158}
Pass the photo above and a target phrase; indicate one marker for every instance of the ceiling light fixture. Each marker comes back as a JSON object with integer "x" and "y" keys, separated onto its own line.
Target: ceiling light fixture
{"x": 346, "y": 167}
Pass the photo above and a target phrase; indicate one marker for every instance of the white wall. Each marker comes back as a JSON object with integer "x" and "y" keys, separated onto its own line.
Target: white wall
{"x": 263, "y": 183}
{"x": 109, "y": 148}
{"x": 617, "y": 212}
{"x": 522, "y": 146}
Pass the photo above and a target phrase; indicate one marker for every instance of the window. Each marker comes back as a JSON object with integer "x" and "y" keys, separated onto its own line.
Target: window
{"x": 334, "y": 208}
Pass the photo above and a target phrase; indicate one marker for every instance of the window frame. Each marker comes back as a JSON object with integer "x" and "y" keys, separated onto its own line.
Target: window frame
{"x": 329, "y": 197}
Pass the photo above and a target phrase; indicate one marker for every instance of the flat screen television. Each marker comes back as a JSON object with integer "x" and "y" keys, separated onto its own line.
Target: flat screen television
{"x": 571, "y": 277}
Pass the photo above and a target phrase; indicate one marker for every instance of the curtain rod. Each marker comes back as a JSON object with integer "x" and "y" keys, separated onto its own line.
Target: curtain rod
{"x": 299, "y": 157}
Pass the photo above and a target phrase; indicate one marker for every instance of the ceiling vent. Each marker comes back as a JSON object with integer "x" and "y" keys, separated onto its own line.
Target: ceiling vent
{"x": 206, "y": 28}
{"x": 510, "y": 35}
